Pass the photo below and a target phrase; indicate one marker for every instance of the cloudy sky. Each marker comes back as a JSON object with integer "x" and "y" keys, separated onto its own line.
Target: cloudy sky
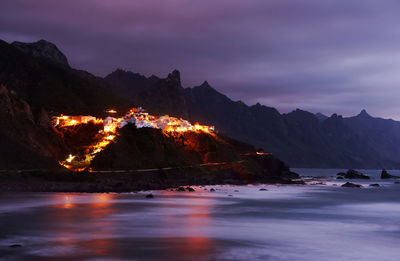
{"x": 322, "y": 56}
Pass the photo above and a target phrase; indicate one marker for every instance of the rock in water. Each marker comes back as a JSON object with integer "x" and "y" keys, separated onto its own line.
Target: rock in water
{"x": 351, "y": 185}
{"x": 385, "y": 175}
{"x": 15, "y": 245}
{"x": 353, "y": 174}
{"x": 374, "y": 185}
{"x": 150, "y": 196}
{"x": 190, "y": 189}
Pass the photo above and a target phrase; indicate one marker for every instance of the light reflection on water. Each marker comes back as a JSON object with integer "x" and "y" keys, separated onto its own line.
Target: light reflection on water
{"x": 284, "y": 223}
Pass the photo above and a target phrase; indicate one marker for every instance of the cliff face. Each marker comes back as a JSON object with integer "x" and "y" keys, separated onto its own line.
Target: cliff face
{"x": 27, "y": 138}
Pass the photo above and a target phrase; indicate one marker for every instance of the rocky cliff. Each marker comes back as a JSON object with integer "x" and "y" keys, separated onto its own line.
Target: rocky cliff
{"x": 26, "y": 136}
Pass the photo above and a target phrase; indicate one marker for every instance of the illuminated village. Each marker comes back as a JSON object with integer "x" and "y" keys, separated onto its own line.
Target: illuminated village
{"x": 137, "y": 116}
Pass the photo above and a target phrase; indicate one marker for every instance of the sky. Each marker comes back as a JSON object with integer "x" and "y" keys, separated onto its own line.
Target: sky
{"x": 331, "y": 56}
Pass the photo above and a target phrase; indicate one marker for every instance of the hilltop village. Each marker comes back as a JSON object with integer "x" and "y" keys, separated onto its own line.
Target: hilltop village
{"x": 136, "y": 116}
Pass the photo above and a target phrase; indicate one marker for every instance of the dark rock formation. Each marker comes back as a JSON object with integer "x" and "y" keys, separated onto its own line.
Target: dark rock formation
{"x": 156, "y": 95}
{"x": 44, "y": 50}
{"x": 15, "y": 245}
{"x": 27, "y": 137}
{"x": 353, "y": 174}
{"x": 321, "y": 116}
{"x": 386, "y": 175}
{"x": 351, "y": 185}
{"x": 150, "y": 196}
{"x": 43, "y": 83}
{"x": 374, "y": 185}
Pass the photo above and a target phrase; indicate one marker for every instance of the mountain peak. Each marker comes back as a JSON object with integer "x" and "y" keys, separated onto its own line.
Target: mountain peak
{"x": 321, "y": 116}
{"x": 364, "y": 113}
{"x": 205, "y": 84}
{"x": 175, "y": 76}
{"x": 44, "y": 50}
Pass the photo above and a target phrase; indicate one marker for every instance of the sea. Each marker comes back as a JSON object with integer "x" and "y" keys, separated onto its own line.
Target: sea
{"x": 319, "y": 221}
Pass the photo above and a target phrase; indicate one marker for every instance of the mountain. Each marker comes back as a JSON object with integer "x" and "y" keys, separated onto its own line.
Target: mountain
{"x": 27, "y": 138}
{"x": 43, "y": 50}
{"x": 300, "y": 138}
{"x": 321, "y": 116}
{"x": 38, "y": 74}
{"x": 156, "y": 95}
{"x": 378, "y": 133}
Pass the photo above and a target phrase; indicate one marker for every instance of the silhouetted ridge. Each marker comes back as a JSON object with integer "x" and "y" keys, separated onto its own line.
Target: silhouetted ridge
{"x": 44, "y": 50}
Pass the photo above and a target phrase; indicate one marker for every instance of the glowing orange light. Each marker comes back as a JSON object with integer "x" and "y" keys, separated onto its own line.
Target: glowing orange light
{"x": 169, "y": 126}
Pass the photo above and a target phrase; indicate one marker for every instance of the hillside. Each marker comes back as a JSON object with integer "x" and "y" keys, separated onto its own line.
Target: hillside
{"x": 27, "y": 138}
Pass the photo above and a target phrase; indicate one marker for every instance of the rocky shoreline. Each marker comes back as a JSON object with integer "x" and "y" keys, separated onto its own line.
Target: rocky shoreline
{"x": 128, "y": 181}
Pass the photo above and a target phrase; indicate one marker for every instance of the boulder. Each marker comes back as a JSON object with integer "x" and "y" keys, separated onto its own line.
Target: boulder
{"x": 190, "y": 189}
{"x": 15, "y": 245}
{"x": 212, "y": 190}
{"x": 351, "y": 185}
{"x": 353, "y": 174}
{"x": 374, "y": 185}
{"x": 262, "y": 189}
{"x": 181, "y": 189}
{"x": 150, "y": 196}
{"x": 385, "y": 175}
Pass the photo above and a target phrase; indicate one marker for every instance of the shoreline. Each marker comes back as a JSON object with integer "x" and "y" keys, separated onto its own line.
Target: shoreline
{"x": 132, "y": 181}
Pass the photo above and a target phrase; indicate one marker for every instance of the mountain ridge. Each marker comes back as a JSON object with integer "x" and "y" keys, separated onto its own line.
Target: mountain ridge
{"x": 299, "y": 137}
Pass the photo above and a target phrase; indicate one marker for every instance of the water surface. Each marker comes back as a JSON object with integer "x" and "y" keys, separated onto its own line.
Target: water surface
{"x": 312, "y": 222}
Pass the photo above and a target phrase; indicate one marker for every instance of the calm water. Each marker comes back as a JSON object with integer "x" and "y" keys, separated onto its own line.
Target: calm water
{"x": 312, "y": 222}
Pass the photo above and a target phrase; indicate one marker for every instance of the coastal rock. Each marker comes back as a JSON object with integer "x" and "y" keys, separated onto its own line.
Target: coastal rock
{"x": 181, "y": 189}
{"x": 190, "y": 189}
{"x": 15, "y": 245}
{"x": 262, "y": 189}
{"x": 212, "y": 190}
{"x": 353, "y": 174}
{"x": 150, "y": 196}
{"x": 351, "y": 185}
{"x": 374, "y": 185}
{"x": 386, "y": 175}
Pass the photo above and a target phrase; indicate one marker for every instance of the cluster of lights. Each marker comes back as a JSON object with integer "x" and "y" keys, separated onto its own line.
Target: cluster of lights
{"x": 137, "y": 116}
